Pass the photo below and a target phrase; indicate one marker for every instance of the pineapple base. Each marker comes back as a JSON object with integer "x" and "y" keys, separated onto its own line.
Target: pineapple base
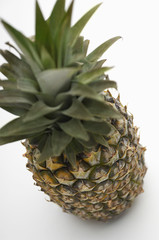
{"x": 106, "y": 180}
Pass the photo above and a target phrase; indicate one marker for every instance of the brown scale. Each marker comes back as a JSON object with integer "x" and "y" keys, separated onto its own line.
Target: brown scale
{"x": 106, "y": 180}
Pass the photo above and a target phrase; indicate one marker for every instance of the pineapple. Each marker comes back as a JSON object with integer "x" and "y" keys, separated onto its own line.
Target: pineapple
{"x": 82, "y": 147}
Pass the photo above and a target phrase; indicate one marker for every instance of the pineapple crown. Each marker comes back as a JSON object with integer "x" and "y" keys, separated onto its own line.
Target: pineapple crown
{"x": 55, "y": 87}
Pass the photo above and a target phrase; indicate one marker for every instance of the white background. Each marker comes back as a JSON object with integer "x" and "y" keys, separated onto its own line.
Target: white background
{"x": 24, "y": 213}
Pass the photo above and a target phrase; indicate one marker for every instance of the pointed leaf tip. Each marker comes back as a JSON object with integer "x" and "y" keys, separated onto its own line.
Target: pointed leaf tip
{"x": 101, "y": 49}
{"x": 80, "y": 24}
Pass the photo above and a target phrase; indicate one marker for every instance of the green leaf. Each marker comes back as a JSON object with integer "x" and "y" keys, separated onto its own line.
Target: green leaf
{"x": 98, "y": 52}
{"x": 75, "y": 129}
{"x": 17, "y": 127}
{"x": 82, "y": 90}
{"x": 10, "y": 98}
{"x": 55, "y": 144}
{"x": 89, "y": 66}
{"x": 62, "y": 38}
{"x": 101, "y": 109}
{"x": 41, "y": 36}
{"x": 7, "y": 71}
{"x": 85, "y": 46}
{"x": 47, "y": 61}
{"x": 55, "y": 80}
{"x": 78, "y": 27}
{"x": 38, "y": 139}
{"x": 17, "y": 65}
{"x": 78, "y": 111}
{"x": 10, "y": 57}
{"x": 8, "y": 84}
{"x": 13, "y": 47}
{"x": 47, "y": 150}
{"x": 92, "y": 75}
{"x": 101, "y": 140}
{"x": 75, "y": 59}
{"x": 38, "y": 110}
{"x": 27, "y": 85}
{"x": 101, "y": 128}
{"x": 71, "y": 155}
{"x": 77, "y": 147}
{"x": 88, "y": 144}
{"x": 17, "y": 110}
{"x": 78, "y": 47}
{"x": 26, "y": 46}
{"x": 5, "y": 140}
{"x": 98, "y": 64}
{"x": 60, "y": 140}
{"x": 101, "y": 85}
{"x": 77, "y": 53}
{"x": 56, "y": 17}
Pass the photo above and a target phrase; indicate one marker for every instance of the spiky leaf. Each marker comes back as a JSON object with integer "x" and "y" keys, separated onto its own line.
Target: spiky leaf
{"x": 47, "y": 60}
{"x": 17, "y": 127}
{"x": 71, "y": 154}
{"x": 98, "y": 52}
{"x": 101, "y": 109}
{"x": 27, "y": 85}
{"x": 75, "y": 129}
{"x": 78, "y": 111}
{"x": 18, "y": 110}
{"x": 83, "y": 91}
{"x": 88, "y": 144}
{"x": 42, "y": 28}
{"x": 88, "y": 77}
{"x": 39, "y": 109}
{"x": 78, "y": 27}
{"x": 101, "y": 85}
{"x": 8, "y": 71}
{"x": 101, "y": 140}
{"x": 56, "y": 17}
{"x": 8, "y": 84}
{"x": 47, "y": 150}
{"x": 60, "y": 140}
{"x": 17, "y": 65}
{"x": 101, "y": 128}
{"x": 55, "y": 87}
{"x": 13, "y": 98}
{"x": 53, "y": 81}
{"x": 5, "y": 140}
{"x": 26, "y": 46}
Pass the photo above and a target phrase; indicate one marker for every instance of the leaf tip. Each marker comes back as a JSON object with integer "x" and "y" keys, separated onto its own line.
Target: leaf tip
{"x": 119, "y": 37}
{"x": 3, "y": 22}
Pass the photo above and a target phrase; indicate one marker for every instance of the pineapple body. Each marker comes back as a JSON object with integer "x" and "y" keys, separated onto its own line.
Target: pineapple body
{"x": 105, "y": 180}
{"x": 82, "y": 147}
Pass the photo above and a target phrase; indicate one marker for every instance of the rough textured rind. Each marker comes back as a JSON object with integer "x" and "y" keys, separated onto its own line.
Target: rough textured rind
{"x": 106, "y": 180}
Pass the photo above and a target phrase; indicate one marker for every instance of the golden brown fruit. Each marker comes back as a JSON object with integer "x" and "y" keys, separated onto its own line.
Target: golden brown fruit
{"x": 105, "y": 181}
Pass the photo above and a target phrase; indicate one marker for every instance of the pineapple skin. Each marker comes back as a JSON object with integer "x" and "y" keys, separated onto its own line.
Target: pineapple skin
{"x": 106, "y": 180}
